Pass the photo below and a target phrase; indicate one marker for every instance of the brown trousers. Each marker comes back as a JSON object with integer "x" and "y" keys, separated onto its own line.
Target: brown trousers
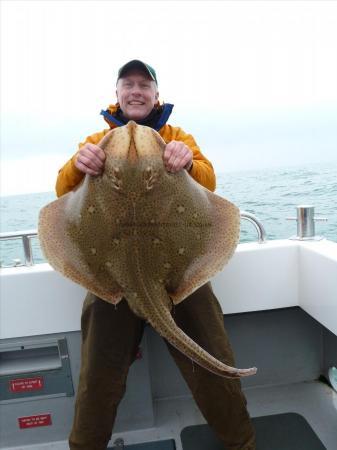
{"x": 110, "y": 339}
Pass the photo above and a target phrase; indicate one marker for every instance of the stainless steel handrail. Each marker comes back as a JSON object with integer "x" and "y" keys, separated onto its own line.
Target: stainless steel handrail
{"x": 28, "y": 234}
{"x": 261, "y": 232}
{"x": 26, "y": 242}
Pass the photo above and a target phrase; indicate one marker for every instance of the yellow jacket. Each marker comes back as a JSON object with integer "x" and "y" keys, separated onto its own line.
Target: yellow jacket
{"x": 202, "y": 170}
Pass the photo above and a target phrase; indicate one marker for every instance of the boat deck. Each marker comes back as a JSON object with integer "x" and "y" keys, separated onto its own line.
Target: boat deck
{"x": 315, "y": 401}
{"x": 279, "y": 305}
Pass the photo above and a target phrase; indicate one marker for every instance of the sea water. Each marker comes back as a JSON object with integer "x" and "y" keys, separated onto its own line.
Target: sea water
{"x": 270, "y": 194}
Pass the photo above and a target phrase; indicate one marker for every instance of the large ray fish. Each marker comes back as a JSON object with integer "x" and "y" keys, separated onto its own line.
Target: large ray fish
{"x": 142, "y": 233}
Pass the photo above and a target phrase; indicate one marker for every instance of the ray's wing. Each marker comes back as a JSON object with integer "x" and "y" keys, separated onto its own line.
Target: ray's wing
{"x": 193, "y": 234}
{"x": 219, "y": 243}
{"x": 73, "y": 231}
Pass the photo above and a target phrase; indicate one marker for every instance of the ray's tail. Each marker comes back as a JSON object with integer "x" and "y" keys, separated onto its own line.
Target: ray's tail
{"x": 159, "y": 316}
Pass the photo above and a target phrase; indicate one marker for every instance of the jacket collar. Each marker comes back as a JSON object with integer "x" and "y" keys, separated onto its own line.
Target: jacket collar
{"x": 110, "y": 116}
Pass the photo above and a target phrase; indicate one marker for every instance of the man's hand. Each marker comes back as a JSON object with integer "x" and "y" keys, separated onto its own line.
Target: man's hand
{"x": 177, "y": 156}
{"x": 90, "y": 159}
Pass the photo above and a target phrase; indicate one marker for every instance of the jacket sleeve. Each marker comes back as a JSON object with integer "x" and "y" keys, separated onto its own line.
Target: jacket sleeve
{"x": 202, "y": 170}
{"x": 69, "y": 175}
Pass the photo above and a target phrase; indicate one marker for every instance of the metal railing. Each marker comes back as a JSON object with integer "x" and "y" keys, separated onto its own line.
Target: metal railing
{"x": 261, "y": 232}
{"x": 27, "y": 235}
{"x": 26, "y": 242}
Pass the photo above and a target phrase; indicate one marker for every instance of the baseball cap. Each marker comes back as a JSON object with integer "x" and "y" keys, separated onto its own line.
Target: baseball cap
{"x": 137, "y": 64}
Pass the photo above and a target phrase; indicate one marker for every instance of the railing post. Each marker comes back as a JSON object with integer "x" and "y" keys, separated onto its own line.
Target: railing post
{"x": 27, "y": 248}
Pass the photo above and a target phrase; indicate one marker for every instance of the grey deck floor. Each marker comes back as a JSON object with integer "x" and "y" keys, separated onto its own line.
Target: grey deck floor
{"x": 315, "y": 401}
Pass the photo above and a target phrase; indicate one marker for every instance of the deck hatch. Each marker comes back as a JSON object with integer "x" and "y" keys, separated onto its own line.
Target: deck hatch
{"x": 35, "y": 369}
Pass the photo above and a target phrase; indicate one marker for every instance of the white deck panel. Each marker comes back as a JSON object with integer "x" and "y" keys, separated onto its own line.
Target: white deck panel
{"x": 318, "y": 283}
{"x": 259, "y": 277}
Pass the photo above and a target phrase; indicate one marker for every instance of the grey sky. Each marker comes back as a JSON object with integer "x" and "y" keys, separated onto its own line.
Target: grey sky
{"x": 254, "y": 82}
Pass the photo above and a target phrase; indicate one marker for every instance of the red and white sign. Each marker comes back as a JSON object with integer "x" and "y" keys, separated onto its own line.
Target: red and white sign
{"x": 40, "y": 420}
{"x": 26, "y": 384}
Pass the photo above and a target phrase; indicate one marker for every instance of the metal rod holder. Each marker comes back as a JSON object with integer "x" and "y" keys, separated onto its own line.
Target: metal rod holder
{"x": 306, "y": 223}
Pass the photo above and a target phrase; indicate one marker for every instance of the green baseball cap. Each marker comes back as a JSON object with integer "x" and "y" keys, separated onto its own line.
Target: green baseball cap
{"x": 137, "y": 64}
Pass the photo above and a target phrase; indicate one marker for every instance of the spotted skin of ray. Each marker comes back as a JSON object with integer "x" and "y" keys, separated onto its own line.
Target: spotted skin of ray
{"x": 141, "y": 233}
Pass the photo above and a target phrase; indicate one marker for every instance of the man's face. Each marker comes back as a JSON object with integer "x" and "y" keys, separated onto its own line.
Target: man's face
{"x": 136, "y": 94}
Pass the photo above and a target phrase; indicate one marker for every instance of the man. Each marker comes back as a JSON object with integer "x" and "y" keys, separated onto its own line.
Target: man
{"x": 110, "y": 336}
